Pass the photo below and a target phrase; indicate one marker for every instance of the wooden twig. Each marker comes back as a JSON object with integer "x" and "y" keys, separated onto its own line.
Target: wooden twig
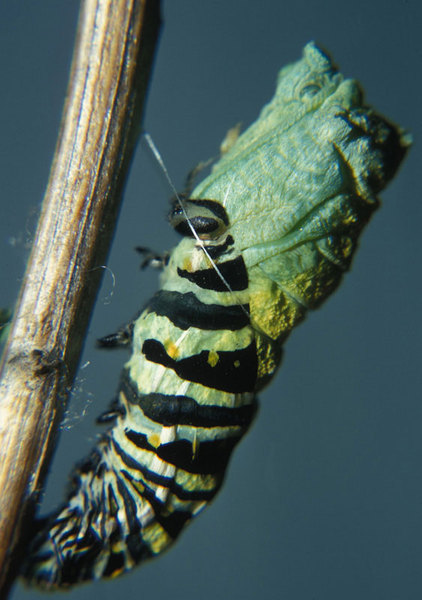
{"x": 110, "y": 69}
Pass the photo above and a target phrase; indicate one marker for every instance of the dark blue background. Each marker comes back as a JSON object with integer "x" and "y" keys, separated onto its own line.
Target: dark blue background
{"x": 323, "y": 500}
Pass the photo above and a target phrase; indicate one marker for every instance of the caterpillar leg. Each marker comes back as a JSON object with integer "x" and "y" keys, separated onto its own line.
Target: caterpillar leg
{"x": 151, "y": 258}
{"x": 121, "y": 338}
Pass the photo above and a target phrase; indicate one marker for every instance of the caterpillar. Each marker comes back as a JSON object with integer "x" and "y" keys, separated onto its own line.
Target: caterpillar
{"x": 265, "y": 237}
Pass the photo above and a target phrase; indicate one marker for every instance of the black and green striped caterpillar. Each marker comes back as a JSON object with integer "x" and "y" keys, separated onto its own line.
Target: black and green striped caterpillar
{"x": 266, "y": 236}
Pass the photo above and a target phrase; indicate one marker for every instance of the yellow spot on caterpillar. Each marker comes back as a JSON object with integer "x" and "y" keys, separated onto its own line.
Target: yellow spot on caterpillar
{"x": 171, "y": 349}
{"x": 187, "y": 264}
{"x": 113, "y": 506}
{"x": 116, "y": 573}
{"x": 118, "y": 547}
{"x": 156, "y": 537}
{"x": 195, "y": 446}
{"x": 213, "y": 358}
{"x": 139, "y": 486}
{"x": 154, "y": 439}
{"x": 236, "y": 363}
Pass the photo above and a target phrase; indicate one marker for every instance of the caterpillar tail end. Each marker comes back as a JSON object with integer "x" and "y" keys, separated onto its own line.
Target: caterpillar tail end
{"x": 70, "y": 549}
{"x": 61, "y": 554}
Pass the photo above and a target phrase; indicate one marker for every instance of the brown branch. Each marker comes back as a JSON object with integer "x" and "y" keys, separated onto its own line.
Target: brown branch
{"x": 111, "y": 64}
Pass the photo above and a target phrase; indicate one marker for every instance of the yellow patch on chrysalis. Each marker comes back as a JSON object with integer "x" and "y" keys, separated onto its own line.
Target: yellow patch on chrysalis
{"x": 274, "y": 312}
{"x": 230, "y": 139}
{"x": 236, "y": 363}
{"x": 213, "y": 358}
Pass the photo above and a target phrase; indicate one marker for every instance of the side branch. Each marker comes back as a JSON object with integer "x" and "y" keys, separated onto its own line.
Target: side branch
{"x": 108, "y": 82}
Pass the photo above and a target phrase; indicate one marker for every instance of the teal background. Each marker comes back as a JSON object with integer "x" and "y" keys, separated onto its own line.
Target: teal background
{"x": 323, "y": 499}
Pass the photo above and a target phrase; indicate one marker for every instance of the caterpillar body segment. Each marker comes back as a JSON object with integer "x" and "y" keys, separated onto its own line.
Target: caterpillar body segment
{"x": 266, "y": 236}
